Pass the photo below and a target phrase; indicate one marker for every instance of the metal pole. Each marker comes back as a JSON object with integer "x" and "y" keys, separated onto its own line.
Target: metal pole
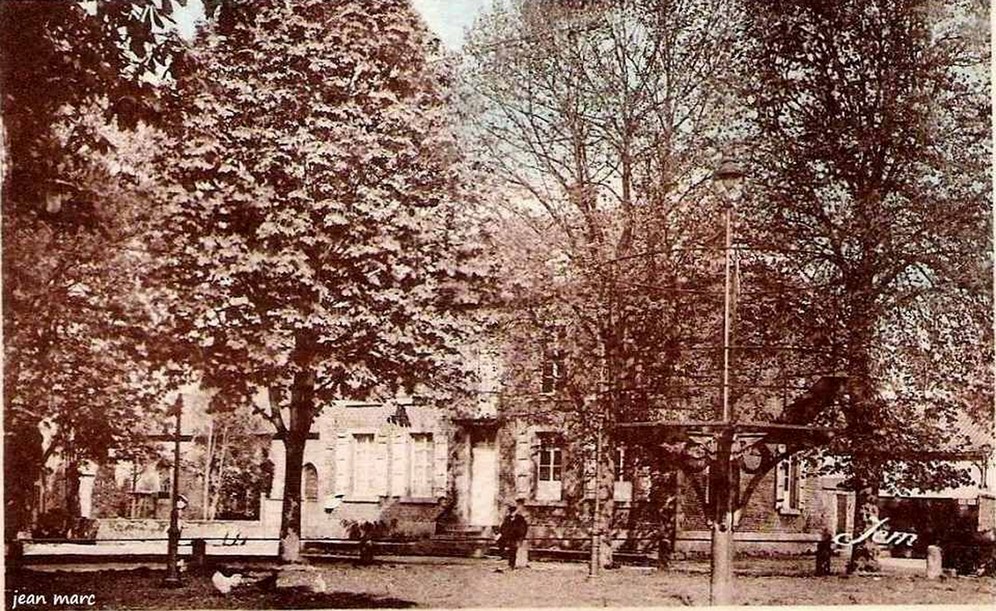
{"x": 721, "y": 573}
{"x": 721, "y": 561}
{"x": 727, "y": 415}
{"x": 172, "y": 578}
{"x": 596, "y": 531}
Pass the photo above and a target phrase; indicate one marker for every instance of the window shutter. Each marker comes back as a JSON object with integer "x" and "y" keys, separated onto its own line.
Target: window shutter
{"x": 342, "y": 451}
{"x": 440, "y": 457}
{"x": 800, "y": 484}
{"x": 781, "y": 475}
{"x": 523, "y": 464}
{"x": 380, "y": 473}
{"x": 399, "y": 464}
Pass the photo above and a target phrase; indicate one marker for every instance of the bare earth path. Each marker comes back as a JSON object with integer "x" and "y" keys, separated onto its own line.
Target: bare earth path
{"x": 480, "y": 584}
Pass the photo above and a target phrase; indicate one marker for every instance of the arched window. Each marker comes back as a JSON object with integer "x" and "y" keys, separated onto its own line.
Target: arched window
{"x": 309, "y": 482}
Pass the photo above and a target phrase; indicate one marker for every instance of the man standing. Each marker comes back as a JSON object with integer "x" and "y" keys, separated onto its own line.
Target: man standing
{"x": 512, "y": 535}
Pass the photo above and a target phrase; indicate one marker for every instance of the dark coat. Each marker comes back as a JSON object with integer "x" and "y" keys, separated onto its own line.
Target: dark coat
{"x": 513, "y": 528}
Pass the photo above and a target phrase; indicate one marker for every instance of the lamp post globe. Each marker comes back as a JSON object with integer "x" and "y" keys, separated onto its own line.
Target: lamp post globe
{"x": 728, "y": 178}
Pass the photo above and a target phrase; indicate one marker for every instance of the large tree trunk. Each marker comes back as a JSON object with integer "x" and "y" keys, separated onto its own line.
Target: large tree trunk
{"x": 302, "y": 412}
{"x": 220, "y": 483}
{"x": 23, "y": 454}
{"x": 864, "y": 418}
{"x": 665, "y": 499}
{"x": 606, "y": 489}
{"x": 864, "y": 555}
{"x": 290, "y": 518}
{"x": 208, "y": 461}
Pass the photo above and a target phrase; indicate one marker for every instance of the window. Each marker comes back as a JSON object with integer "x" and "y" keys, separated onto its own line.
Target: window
{"x": 622, "y": 484}
{"x": 364, "y": 465}
{"x": 309, "y": 482}
{"x": 165, "y": 473}
{"x": 554, "y": 370}
{"x": 841, "y": 513}
{"x": 420, "y": 465}
{"x": 266, "y": 471}
{"x": 787, "y": 484}
{"x": 549, "y": 485}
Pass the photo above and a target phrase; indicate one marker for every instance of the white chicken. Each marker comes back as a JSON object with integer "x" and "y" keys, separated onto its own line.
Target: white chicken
{"x": 223, "y": 583}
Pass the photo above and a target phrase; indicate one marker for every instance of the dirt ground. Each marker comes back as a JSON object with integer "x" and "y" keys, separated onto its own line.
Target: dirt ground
{"x": 486, "y": 584}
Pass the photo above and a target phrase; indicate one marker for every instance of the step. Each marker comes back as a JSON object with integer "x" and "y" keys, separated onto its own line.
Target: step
{"x": 465, "y": 530}
{"x": 430, "y": 547}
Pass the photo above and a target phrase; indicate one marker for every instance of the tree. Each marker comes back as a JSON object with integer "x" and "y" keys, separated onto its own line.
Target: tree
{"x": 58, "y": 58}
{"x": 870, "y": 149}
{"x": 231, "y": 455}
{"x": 77, "y": 351}
{"x": 322, "y": 228}
{"x": 605, "y": 120}
{"x": 72, "y": 80}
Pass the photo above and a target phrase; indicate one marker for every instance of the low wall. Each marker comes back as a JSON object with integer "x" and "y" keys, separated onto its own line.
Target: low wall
{"x": 409, "y": 519}
{"x": 750, "y": 543}
{"x": 558, "y": 525}
{"x": 124, "y": 528}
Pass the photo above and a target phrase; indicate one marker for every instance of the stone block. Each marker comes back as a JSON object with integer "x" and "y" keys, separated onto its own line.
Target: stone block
{"x": 934, "y": 569}
{"x": 522, "y": 555}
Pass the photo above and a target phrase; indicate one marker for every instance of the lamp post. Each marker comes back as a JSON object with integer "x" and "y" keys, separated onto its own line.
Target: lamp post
{"x": 730, "y": 449}
{"x": 728, "y": 179}
{"x": 172, "y": 579}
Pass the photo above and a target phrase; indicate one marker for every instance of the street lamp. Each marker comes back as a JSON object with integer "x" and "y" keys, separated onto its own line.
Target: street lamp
{"x": 728, "y": 179}
{"x": 728, "y": 448}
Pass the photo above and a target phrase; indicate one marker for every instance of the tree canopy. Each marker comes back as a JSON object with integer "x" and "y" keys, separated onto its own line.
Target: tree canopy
{"x": 73, "y": 82}
{"x": 870, "y": 150}
{"x": 604, "y": 122}
{"x": 320, "y": 227}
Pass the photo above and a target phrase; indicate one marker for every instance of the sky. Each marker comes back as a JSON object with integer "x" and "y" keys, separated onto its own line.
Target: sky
{"x": 449, "y": 18}
{"x": 446, "y": 18}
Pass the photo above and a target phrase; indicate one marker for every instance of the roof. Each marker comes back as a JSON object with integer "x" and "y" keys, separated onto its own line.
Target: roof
{"x": 970, "y": 434}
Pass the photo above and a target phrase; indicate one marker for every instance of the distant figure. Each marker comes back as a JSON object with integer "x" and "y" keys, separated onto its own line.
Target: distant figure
{"x": 505, "y": 529}
{"x": 512, "y": 533}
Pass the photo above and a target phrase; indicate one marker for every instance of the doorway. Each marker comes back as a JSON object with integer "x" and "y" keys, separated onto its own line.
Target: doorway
{"x": 483, "y": 479}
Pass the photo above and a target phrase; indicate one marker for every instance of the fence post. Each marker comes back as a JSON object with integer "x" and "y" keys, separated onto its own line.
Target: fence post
{"x": 199, "y": 555}
{"x": 934, "y": 569}
{"x": 15, "y": 554}
{"x": 824, "y": 550}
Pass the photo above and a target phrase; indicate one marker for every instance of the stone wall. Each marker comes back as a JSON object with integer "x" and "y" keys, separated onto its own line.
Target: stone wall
{"x": 560, "y": 525}
{"x": 403, "y": 520}
{"x": 760, "y": 514}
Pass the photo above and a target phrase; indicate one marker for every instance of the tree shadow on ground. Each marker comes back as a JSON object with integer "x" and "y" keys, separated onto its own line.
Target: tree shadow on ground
{"x": 143, "y": 589}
